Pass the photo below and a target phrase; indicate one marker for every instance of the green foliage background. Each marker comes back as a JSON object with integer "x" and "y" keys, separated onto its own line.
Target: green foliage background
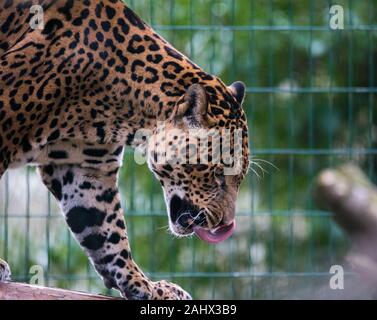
{"x": 311, "y": 104}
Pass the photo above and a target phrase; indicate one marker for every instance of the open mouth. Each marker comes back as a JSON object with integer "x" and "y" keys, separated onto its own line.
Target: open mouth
{"x": 188, "y": 218}
{"x": 216, "y": 236}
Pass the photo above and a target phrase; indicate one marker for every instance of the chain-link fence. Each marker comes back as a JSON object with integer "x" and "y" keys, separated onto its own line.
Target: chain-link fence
{"x": 311, "y": 104}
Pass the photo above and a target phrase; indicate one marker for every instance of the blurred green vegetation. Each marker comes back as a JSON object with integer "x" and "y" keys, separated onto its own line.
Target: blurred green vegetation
{"x": 311, "y": 104}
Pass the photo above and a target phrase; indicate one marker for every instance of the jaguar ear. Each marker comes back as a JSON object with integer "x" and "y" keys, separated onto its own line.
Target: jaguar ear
{"x": 238, "y": 90}
{"x": 192, "y": 107}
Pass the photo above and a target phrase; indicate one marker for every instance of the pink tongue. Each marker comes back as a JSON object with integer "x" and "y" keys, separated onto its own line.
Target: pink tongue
{"x": 219, "y": 235}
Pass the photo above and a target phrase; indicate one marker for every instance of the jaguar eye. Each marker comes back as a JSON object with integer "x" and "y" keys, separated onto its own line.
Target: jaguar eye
{"x": 219, "y": 172}
{"x": 220, "y": 177}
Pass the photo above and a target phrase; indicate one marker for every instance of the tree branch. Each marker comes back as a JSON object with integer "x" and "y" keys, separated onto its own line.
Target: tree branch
{"x": 349, "y": 194}
{"x": 20, "y": 291}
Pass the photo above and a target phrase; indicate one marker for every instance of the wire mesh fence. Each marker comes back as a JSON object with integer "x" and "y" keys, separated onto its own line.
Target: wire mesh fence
{"x": 311, "y": 104}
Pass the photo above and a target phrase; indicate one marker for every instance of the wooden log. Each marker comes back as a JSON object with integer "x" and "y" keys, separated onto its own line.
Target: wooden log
{"x": 349, "y": 194}
{"x": 21, "y": 291}
{"x": 352, "y": 198}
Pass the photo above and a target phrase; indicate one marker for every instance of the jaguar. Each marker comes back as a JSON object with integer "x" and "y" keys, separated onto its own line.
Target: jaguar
{"x": 76, "y": 92}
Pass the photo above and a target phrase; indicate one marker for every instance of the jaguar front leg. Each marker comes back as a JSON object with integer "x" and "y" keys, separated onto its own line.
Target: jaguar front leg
{"x": 5, "y": 273}
{"x": 90, "y": 201}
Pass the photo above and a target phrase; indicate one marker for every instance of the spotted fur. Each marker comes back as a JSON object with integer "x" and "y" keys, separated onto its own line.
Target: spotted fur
{"x": 75, "y": 93}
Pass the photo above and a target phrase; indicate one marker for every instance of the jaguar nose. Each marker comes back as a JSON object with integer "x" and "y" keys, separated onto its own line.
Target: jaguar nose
{"x": 175, "y": 208}
{"x": 181, "y": 210}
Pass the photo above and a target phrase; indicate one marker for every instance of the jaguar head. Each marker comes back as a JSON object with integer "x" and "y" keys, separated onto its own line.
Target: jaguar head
{"x": 200, "y": 156}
